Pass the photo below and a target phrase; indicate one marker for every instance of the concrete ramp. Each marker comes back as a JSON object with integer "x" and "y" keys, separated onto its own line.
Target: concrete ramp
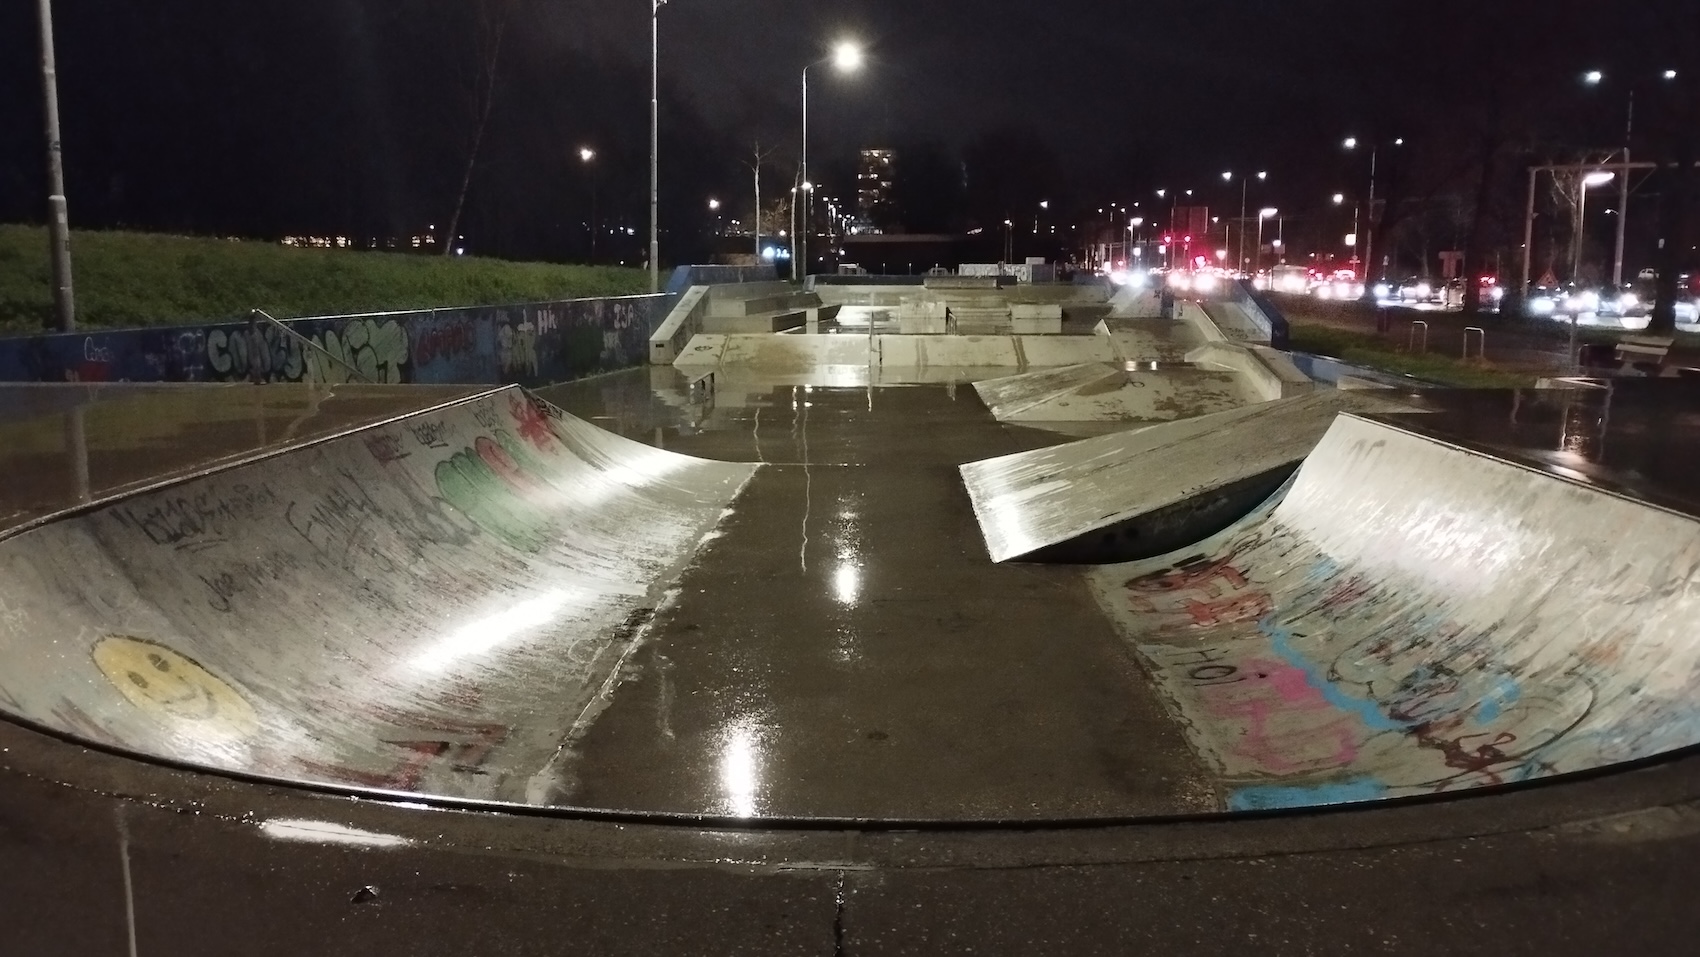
{"x": 1136, "y": 303}
{"x": 1104, "y": 392}
{"x": 1147, "y": 492}
{"x": 855, "y": 360}
{"x": 1413, "y": 618}
{"x": 430, "y": 605}
{"x": 1151, "y": 340}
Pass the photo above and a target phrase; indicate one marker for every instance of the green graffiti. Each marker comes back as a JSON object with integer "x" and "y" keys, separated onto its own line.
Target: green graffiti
{"x": 470, "y": 481}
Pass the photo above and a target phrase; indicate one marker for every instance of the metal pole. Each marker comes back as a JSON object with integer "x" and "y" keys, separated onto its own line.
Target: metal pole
{"x": 1623, "y": 200}
{"x": 655, "y": 145}
{"x": 1245, "y": 184}
{"x": 802, "y": 264}
{"x": 1581, "y": 223}
{"x": 1257, "y": 269}
{"x": 58, "y": 218}
{"x": 757, "y": 229}
{"x": 1529, "y": 235}
{"x": 1369, "y": 225}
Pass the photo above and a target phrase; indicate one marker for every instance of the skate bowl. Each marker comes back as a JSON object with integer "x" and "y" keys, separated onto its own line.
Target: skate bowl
{"x": 428, "y": 605}
{"x": 1410, "y": 617}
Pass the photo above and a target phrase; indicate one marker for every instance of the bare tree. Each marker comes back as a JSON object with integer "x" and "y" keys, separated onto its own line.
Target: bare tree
{"x": 758, "y": 156}
{"x": 489, "y": 29}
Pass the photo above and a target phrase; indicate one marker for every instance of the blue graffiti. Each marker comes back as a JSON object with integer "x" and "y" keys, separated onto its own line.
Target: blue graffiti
{"x": 1281, "y": 641}
{"x": 1270, "y": 797}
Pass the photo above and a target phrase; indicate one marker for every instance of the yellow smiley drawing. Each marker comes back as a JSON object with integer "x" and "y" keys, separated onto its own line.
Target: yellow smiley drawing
{"x": 173, "y": 687}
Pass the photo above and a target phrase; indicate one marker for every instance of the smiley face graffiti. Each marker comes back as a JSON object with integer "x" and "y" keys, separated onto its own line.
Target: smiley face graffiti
{"x": 172, "y": 688}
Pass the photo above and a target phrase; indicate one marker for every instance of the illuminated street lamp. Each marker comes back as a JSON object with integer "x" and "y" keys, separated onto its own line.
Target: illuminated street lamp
{"x": 1596, "y": 78}
{"x": 1589, "y": 181}
{"x": 846, "y": 58}
{"x": 1263, "y": 216}
{"x": 1369, "y": 217}
{"x": 585, "y": 156}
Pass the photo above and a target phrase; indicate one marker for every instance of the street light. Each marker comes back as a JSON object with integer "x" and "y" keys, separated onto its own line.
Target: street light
{"x": 846, "y": 58}
{"x": 1595, "y": 78}
{"x": 1263, "y": 216}
{"x": 1245, "y": 187}
{"x": 585, "y": 155}
{"x": 1589, "y": 181}
{"x": 1369, "y": 216}
{"x": 655, "y": 144}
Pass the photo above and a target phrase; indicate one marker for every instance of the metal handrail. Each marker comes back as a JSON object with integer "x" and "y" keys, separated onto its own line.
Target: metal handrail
{"x": 1481, "y": 342}
{"x": 1411, "y": 340}
{"x": 253, "y": 324}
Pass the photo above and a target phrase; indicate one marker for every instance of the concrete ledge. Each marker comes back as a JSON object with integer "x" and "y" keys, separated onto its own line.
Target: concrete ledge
{"x": 684, "y": 322}
{"x": 764, "y": 322}
{"x": 969, "y": 282}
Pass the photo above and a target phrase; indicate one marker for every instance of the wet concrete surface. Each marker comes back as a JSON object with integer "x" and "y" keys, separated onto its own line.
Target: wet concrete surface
{"x": 189, "y": 864}
{"x": 844, "y": 647}
{"x": 101, "y": 854}
{"x": 1633, "y": 437}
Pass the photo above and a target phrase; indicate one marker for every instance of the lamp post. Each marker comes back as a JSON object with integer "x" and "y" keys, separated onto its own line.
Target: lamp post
{"x": 585, "y": 156}
{"x": 655, "y": 144}
{"x": 1263, "y": 216}
{"x": 1596, "y": 78}
{"x": 58, "y": 218}
{"x": 846, "y": 58}
{"x": 1589, "y": 181}
{"x": 1369, "y": 216}
{"x": 1245, "y": 192}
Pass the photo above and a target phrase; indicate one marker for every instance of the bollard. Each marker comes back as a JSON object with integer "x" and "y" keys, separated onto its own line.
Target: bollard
{"x": 1481, "y": 342}
{"x": 1411, "y": 341}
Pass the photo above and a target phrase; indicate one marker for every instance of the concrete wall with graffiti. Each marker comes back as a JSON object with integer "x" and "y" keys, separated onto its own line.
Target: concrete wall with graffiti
{"x": 530, "y": 344}
{"x": 1413, "y": 618}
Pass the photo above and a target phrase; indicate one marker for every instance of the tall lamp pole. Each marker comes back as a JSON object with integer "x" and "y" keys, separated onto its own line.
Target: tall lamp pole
{"x": 847, "y": 58}
{"x": 1263, "y": 215}
{"x": 585, "y": 156}
{"x": 655, "y": 144}
{"x": 58, "y": 218}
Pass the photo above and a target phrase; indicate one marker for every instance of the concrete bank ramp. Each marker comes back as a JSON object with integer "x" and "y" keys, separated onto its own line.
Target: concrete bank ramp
{"x": 1104, "y": 392}
{"x": 1130, "y": 302}
{"x": 428, "y": 606}
{"x": 1413, "y": 619}
{"x": 1146, "y": 492}
{"x": 854, "y": 360}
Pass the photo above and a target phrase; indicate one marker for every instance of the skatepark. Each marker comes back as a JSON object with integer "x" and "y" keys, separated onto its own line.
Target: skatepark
{"x": 953, "y": 618}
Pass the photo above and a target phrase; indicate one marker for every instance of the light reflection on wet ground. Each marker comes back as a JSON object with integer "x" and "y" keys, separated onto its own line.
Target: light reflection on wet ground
{"x": 844, "y": 647}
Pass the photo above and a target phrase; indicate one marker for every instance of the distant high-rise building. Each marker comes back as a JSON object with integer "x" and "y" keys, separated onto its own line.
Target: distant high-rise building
{"x": 873, "y": 187}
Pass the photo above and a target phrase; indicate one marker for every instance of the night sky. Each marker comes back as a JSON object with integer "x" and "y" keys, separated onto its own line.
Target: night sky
{"x": 266, "y": 116}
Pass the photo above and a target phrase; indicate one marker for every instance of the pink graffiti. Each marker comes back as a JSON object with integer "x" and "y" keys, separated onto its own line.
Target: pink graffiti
{"x": 445, "y": 340}
{"x": 1278, "y": 709}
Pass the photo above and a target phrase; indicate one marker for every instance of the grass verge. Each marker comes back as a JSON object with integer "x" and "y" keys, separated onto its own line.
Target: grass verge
{"x": 1368, "y": 350}
{"x": 141, "y": 279}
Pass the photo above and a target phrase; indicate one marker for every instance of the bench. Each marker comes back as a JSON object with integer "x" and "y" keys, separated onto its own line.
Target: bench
{"x": 1646, "y": 353}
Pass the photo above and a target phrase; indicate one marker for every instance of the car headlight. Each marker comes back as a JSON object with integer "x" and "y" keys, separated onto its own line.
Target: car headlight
{"x": 1630, "y": 300}
{"x": 1542, "y": 307}
{"x": 1424, "y": 290}
{"x": 1383, "y": 290}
